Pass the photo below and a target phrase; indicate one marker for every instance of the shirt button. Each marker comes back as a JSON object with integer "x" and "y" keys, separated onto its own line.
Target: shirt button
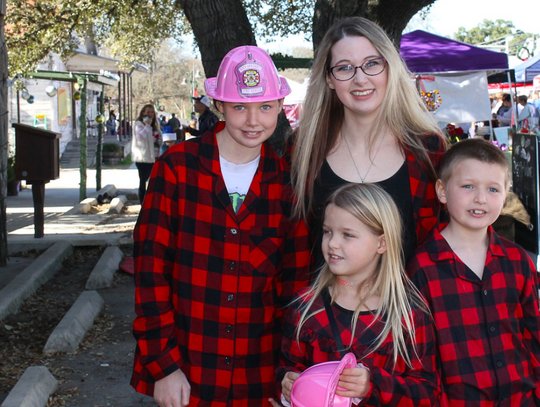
{"x": 485, "y": 292}
{"x": 227, "y": 360}
{"x": 234, "y": 231}
{"x": 228, "y": 328}
{"x": 499, "y": 363}
{"x": 230, "y": 297}
{"x": 232, "y": 265}
{"x": 492, "y": 328}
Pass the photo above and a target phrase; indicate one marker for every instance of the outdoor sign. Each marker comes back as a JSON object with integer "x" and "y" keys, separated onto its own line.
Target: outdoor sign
{"x": 525, "y": 186}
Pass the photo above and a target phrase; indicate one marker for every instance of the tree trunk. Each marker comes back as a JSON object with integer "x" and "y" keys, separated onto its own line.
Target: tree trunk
{"x": 218, "y": 27}
{"x": 392, "y": 15}
{"x": 4, "y": 118}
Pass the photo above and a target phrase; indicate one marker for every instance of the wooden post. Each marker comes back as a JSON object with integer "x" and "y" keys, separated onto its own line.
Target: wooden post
{"x": 38, "y": 195}
{"x": 83, "y": 140}
{"x": 100, "y": 142}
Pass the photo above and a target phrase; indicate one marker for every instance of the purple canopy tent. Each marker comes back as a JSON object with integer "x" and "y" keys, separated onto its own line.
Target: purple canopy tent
{"x": 453, "y": 70}
{"x": 424, "y": 52}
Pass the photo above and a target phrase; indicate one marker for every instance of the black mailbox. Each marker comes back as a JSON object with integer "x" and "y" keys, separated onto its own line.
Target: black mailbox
{"x": 37, "y": 154}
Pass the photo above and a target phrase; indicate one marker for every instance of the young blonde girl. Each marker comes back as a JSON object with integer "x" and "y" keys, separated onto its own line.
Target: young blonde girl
{"x": 379, "y": 315}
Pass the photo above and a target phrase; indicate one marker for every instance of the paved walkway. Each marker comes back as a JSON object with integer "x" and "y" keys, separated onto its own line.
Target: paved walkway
{"x": 62, "y": 194}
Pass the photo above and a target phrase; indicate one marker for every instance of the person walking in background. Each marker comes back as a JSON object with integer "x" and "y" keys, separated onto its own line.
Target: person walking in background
{"x": 504, "y": 114}
{"x": 174, "y": 122}
{"x": 147, "y": 133}
{"x": 207, "y": 118}
{"x": 528, "y": 116}
{"x": 110, "y": 124}
{"x": 363, "y": 121}
{"x": 169, "y": 138}
{"x": 377, "y": 313}
{"x": 218, "y": 254}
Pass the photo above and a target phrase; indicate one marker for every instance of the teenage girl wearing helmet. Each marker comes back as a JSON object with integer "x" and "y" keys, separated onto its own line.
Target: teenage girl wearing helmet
{"x": 217, "y": 252}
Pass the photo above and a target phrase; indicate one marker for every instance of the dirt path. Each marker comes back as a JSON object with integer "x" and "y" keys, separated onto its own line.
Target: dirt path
{"x": 98, "y": 374}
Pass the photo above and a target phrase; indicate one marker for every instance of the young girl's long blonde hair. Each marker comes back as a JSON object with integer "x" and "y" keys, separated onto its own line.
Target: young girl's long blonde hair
{"x": 403, "y": 113}
{"x": 372, "y": 206}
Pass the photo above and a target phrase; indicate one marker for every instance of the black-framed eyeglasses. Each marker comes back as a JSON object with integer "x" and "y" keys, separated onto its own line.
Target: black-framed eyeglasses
{"x": 346, "y": 72}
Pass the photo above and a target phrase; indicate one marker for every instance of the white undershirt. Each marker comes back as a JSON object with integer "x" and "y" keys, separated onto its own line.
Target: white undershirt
{"x": 238, "y": 179}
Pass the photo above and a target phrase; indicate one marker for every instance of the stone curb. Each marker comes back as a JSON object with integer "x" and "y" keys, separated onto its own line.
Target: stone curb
{"x": 21, "y": 244}
{"x": 33, "y": 388}
{"x": 82, "y": 207}
{"x": 73, "y": 327}
{"x": 85, "y": 205}
{"x": 117, "y": 204}
{"x": 32, "y": 277}
{"x": 103, "y": 273}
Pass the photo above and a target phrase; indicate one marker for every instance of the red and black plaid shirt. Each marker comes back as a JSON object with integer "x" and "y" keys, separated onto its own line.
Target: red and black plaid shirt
{"x": 487, "y": 330}
{"x": 391, "y": 385}
{"x": 210, "y": 283}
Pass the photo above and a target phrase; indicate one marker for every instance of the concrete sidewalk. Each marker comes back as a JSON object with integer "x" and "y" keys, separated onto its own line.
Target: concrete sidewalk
{"x": 62, "y": 194}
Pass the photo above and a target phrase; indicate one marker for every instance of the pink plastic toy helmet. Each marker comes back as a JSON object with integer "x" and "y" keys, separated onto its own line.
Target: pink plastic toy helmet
{"x": 316, "y": 386}
{"x": 247, "y": 74}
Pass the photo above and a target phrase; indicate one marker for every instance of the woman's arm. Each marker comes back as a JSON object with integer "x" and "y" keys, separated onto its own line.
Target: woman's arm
{"x": 143, "y": 131}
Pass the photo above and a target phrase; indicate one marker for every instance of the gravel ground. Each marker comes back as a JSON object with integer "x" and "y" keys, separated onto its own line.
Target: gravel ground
{"x": 98, "y": 373}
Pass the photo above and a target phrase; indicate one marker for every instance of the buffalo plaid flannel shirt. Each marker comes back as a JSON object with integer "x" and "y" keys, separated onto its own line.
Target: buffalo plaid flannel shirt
{"x": 487, "y": 330}
{"x": 211, "y": 284}
{"x": 398, "y": 385}
{"x": 426, "y": 206}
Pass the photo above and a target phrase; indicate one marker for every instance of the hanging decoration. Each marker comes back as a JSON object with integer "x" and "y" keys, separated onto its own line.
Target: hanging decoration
{"x": 51, "y": 91}
{"x": 30, "y": 99}
{"x": 431, "y": 99}
{"x": 24, "y": 94}
{"x": 77, "y": 95}
{"x": 100, "y": 119}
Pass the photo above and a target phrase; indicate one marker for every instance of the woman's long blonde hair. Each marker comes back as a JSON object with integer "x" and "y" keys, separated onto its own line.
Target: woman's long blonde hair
{"x": 372, "y": 206}
{"x": 403, "y": 112}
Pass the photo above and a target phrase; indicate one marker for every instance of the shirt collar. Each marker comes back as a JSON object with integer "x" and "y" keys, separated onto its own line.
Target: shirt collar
{"x": 440, "y": 251}
{"x": 270, "y": 164}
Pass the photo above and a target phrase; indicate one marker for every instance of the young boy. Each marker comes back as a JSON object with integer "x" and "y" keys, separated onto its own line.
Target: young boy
{"x": 481, "y": 288}
{"x": 217, "y": 252}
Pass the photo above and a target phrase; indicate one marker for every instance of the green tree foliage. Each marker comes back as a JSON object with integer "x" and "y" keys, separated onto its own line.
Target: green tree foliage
{"x": 493, "y": 33}
{"x": 129, "y": 29}
{"x": 485, "y": 32}
{"x": 281, "y": 18}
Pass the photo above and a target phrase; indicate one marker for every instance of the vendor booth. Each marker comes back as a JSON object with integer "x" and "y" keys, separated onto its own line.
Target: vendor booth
{"x": 451, "y": 75}
{"x": 452, "y": 79}
{"x": 526, "y": 71}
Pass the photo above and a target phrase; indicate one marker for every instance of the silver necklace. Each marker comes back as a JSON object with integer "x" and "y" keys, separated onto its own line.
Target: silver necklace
{"x": 362, "y": 179}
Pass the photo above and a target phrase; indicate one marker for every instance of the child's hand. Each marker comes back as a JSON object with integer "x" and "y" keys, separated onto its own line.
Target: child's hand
{"x": 286, "y": 384}
{"x": 173, "y": 390}
{"x": 355, "y": 382}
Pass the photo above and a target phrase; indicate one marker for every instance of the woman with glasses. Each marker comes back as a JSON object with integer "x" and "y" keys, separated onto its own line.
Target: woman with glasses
{"x": 363, "y": 121}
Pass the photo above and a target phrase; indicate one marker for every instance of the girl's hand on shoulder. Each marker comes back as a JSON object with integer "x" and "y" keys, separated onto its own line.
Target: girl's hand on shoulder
{"x": 355, "y": 382}
{"x": 286, "y": 384}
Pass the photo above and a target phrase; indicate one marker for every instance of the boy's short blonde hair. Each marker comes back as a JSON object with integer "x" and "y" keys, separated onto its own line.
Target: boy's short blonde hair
{"x": 476, "y": 149}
